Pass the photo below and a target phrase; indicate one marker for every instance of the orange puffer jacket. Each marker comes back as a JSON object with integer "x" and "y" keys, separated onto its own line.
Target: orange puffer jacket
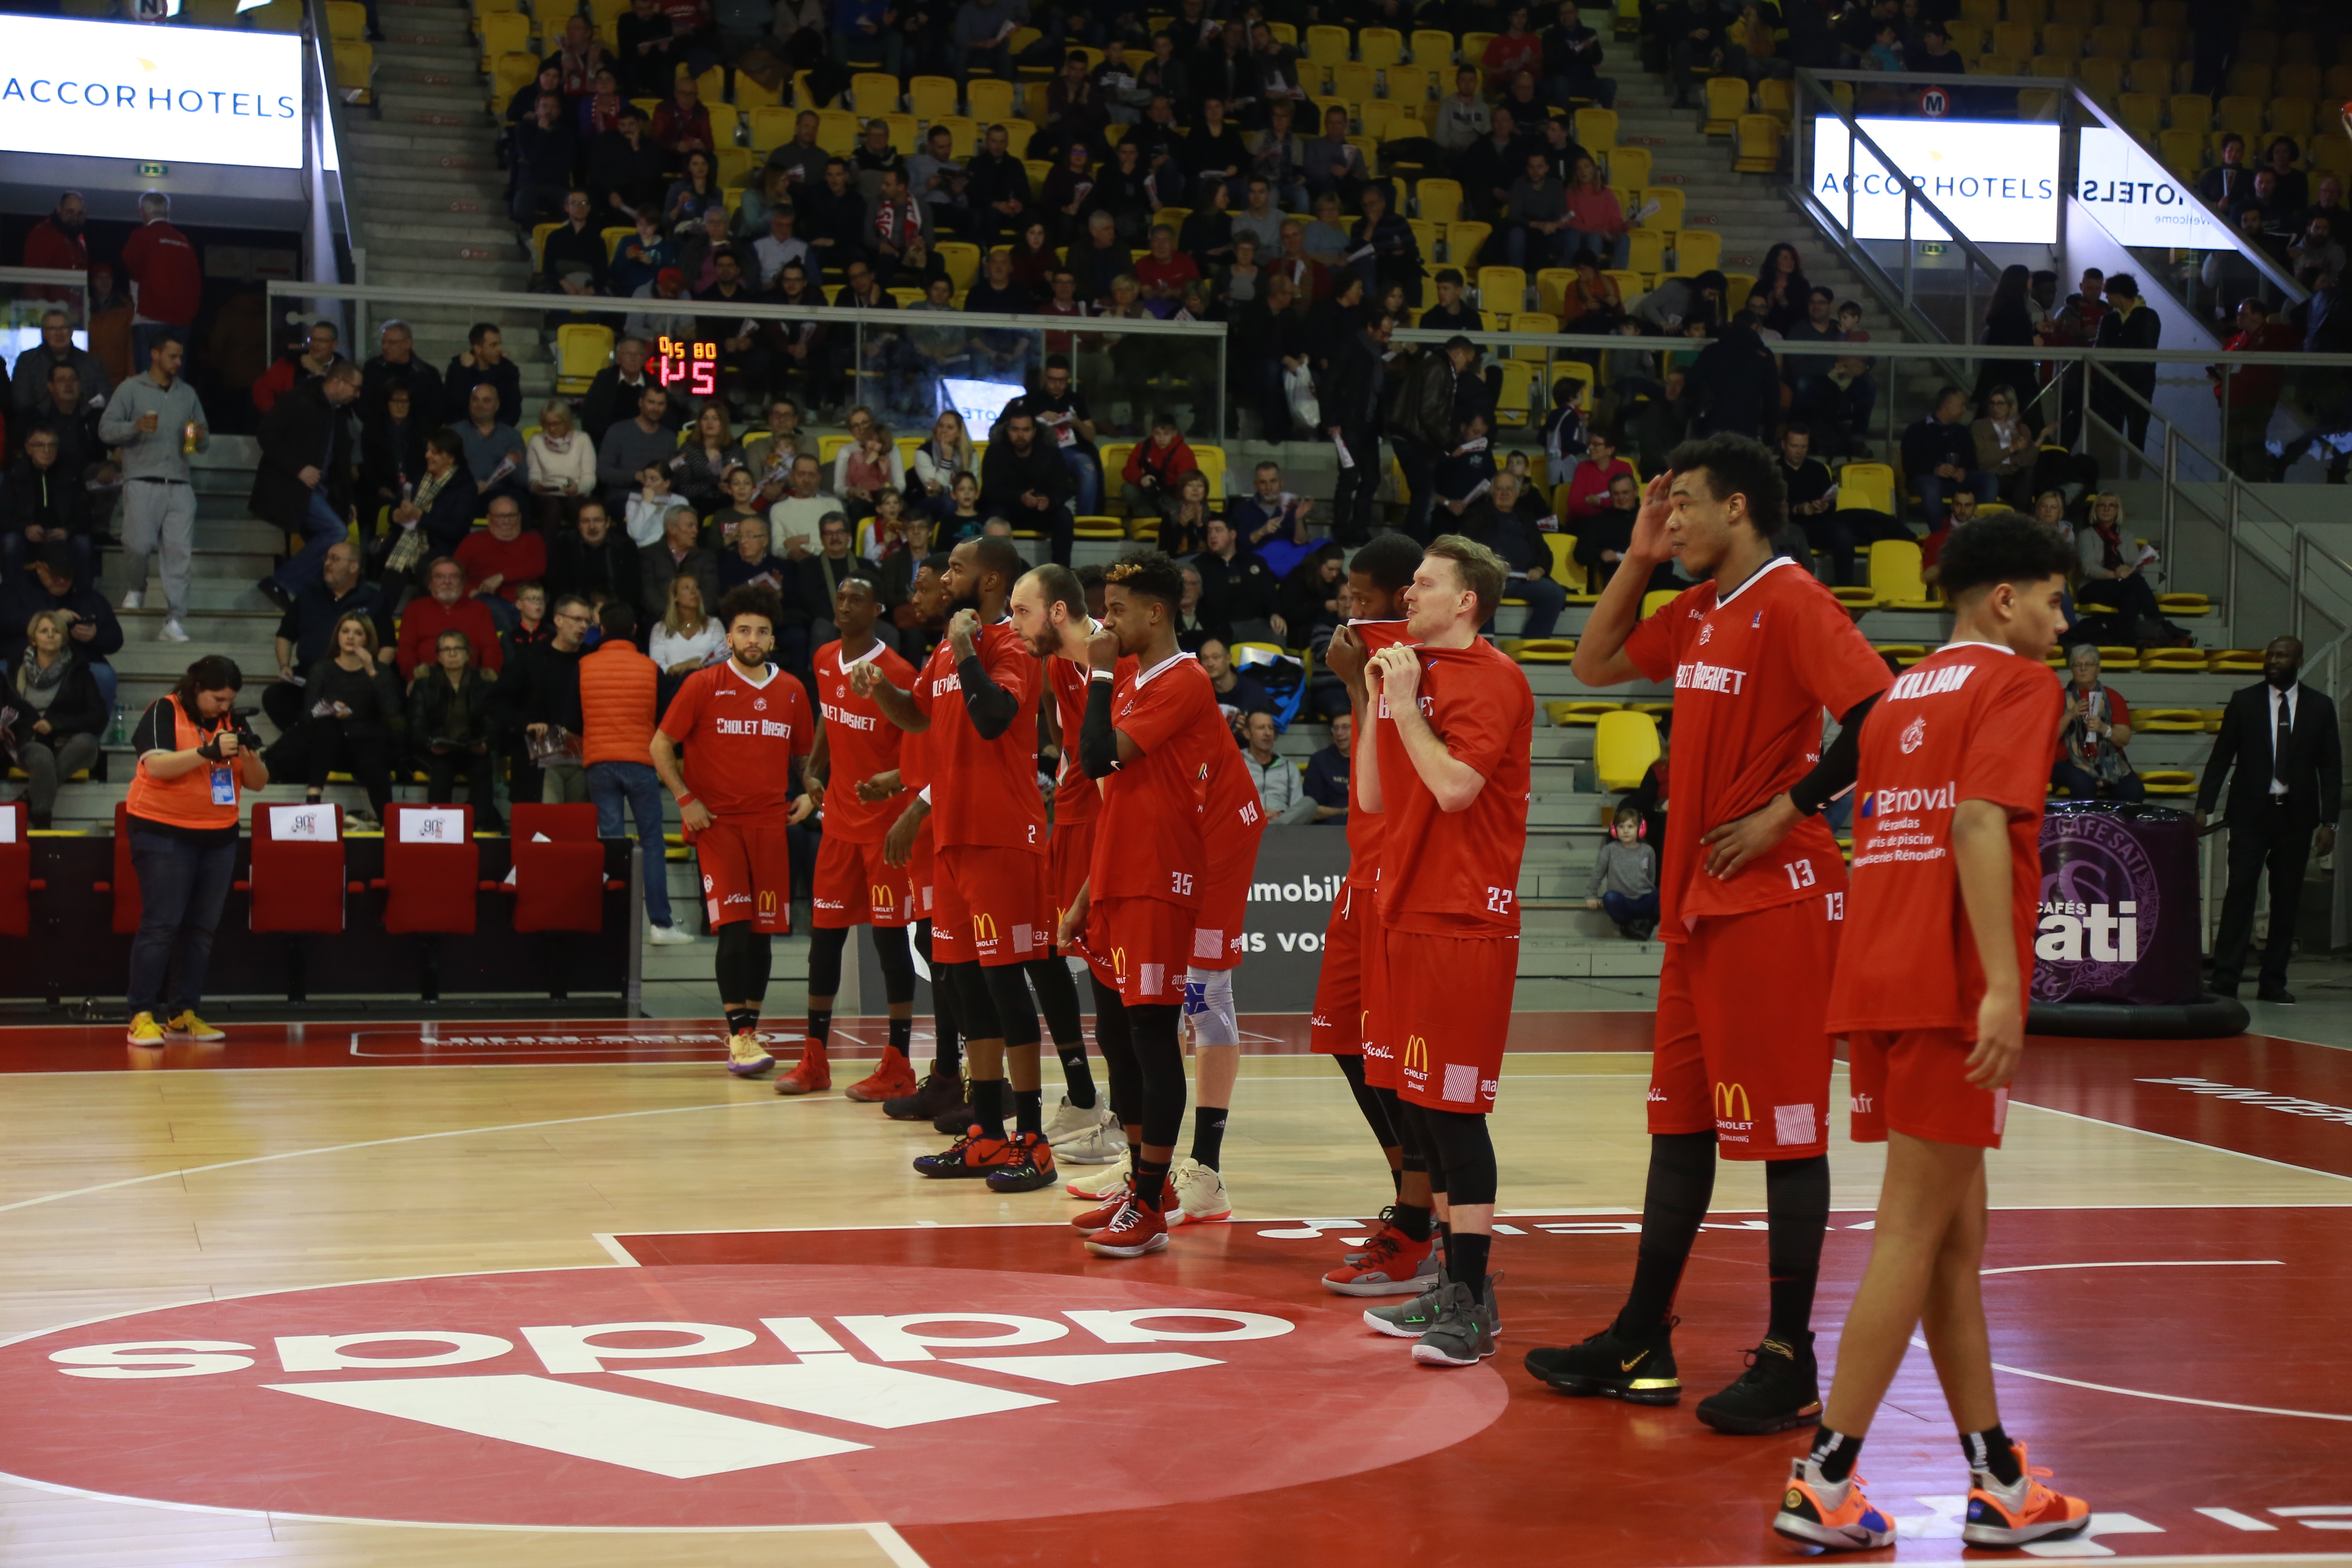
{"x": 616, "y": 703}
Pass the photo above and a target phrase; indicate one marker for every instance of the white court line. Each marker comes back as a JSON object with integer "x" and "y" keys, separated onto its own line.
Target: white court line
{"x": 2155, "y": 1263}
{"x": 2166, "y": 1398}
{"x": 620, "y": 1254}
{"x": 2185, "y": 1142}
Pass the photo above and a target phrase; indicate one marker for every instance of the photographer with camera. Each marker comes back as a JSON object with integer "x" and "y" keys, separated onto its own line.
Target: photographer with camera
{"x": 196, "y": 757}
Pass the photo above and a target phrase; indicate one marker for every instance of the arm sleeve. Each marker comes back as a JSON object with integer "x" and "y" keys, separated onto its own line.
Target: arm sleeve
{"x": 1834, "y": 774}
{"x": 1098, "y": 742}
{"x": 992, "y": 707}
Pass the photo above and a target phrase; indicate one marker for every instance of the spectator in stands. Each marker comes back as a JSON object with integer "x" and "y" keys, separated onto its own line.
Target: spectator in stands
{"x": 2229, "y": 182}
{"x": 1270, "y": 515}
{"x": 2049, "y": 508}
{"x": 1238, "y": 593}
{"x": 2093, "y": 731}
{"x": 1238, "y": 695}
{"x": 484, "y": 363}
{"x": 2316, "y": 246}
{"x": 752, "y": 562}
{"x": 832, "y": 217}
{"x": 562, "y": 464}
{"x": 451, "y": 727}
{"x": 797, "y": 519}
{"x": 157, "y": 421}
{"x": 546, "y": 153}
{"x": 2249, "y": 394}
{"x": 651, "y": 322}
{"x": 30, "y": 380}
{"x": 396, "y": 366}
{"x": 2009, "y": 324}
{"x": 1351, "y": 407}
{"x": 1505, "y": 520}
{"x": 347, "y": 713}
{"x": 693, "y": 196}
{"x": 303, "y": 483}
{"x": 1310, "y": 595}
{"x": 702, "y": 465}
{"x": 44, "y": 503}
{"x": 686, "y": 637}
{"x": 647, "y": 64}
{"x": 1603, "y": 538}
{"x": 682, "y": 125}
{"x": 165, "y": 277}
{"x": 1184, "y": 525}
{"x": 2129, "y": 324}
{"x": 1589, "y": 485}
{"x": 1280, "y": 793}
{"x": 2293, "y": 187}
{"x": 306, "y": 630}
{"x": 579, "y": 56}
{"x": 1326, "y": 783}
{"x": 593, "y": 559}
{"x": 50, "y": 584}
{"x": 57, "y": 243}
{"x": 1676, "y": 302}
{"x": 2328, "y": 203}
{"x": 626, "y": 450}
{"x": 2007, "y": 444}
{"x": 501, "y": 557}
{"x": 59, "y": 712}
{"x": 642, "y": 256}
{"x": 440, "y": 514}
{"x": 1571, "y": 61}
{"x": 447, "y": 608}
{"x": 615, "y": 393}
{"x": 195, "y": 764}
{"x": 619, "y": 691}
{"x": 1192, "y": 629}
{"x": 571, "y": 258}
{"x": 812, "y": 592}
{"x": 495, "y": 453}
{"x": 1536, "y": 217}
{"x": 303, "y": 364}
{"x": 1939, "y": 454}
{"x": 2113, "y": 582}
{"x": 1597, "y": 226}
{"x": 540, "y": 695}
{"x": 624, "y": 168}
{"x": 1625, "y": 876}
{"x": 1147, "y": 484}
{"x": 1737, "y": 384}
{"x": 1023, "y": 478}
{"x": 1831, "y": 529}
{"x": 677, "y": 554}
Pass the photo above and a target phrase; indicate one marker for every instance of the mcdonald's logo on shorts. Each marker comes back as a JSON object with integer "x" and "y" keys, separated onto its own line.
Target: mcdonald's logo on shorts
{"x": 1732, "y": 1110}
{"x": 767, "y": 902}
{"x": 1118, "y": 961}
{"x": 984, "y": 928}
{"x": 881, "y": 898}
{"x": 1416, "y": 1053}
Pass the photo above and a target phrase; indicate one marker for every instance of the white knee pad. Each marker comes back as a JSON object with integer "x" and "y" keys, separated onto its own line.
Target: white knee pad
{"x": 1209, "y": 1007}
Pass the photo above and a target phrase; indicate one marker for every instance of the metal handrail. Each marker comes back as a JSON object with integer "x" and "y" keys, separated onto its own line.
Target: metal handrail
{"x": 1968, "y": 247}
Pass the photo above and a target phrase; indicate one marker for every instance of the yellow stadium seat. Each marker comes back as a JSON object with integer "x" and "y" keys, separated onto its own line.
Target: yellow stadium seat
{"x": 902, "y": 134}
{"x": 1473, "y": 47}
{"x": 2152, "y": 76}
{"x": 510, "y": 73}
{"x": 1327, "y": 46}
{"x": 1777, "y": 97}
{"x": 355, "y": 71}
{"x": 1501, "y": 288}
{"x": 1551, "y": 288}
{"x": 1539, "y": 650}
{"x": 2243, "y": 112}
{"x": 1379, "y": 46}
{"x": 2062, "y": 40}
{"x": 1699, "y": 251}
{"x": 581, "y": 351}
{"x": 836, "y": 131}
{"x": 2297, "y": 77}
{"x": 1645, "y": 251}
{"x": 1726, "y": 100}
{"x": 1464, "y": 241}
{"x": 346, "y": 20}
{"x": 2182, "y": 151}
{"x": 1759, "y": 151}
{"x": 1439, "y": 201}
{"x": 1968, "y": 37}
{"x": 1408, "y": 84}
{"x": 1867, "y": 485}
{"x": 1895, "y": 576}
{"x": 2014, "y": 40}
{"x": 2169, "y": 781}
{"x": 933, "y": 98}
{"x": 2102, "y": 78}
{"x": 1433, "y": 48}
{"x": 2050, "y": 68}
{"x": 990, "y": 101}
{"x": 1352, "y": 81}
{"x": 1624, "y": 747}
{"x": 772, "y": 128}
{"x": 503, "y": 32}
{"x": 2112, "y": 39}
{"x": 1657, "y": 599}
{"x": 1533, "y": 321}
{"x": 2142, "y": 114}
{"x": 1904, "y": 654}
{"x": 1628, "y": 167}
{"x": 2293, "y": 115}
{"x": 1567, "y": 713}
{"x": 1516, "y": 401}
{"x": 2249, "y": 77}
{"x": 1670, "y": 200}
{"x": 1596, "y": 129}
{"x": 2260, "y": 47}
{"x": 286, "y": 17}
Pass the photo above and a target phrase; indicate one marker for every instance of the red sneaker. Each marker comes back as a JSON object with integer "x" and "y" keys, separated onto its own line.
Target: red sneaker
{"x": 1100, "y": 1218}
{"x": 893, "y": 1078}
{"x": 810, "y": 1077}
{"x": 971, "y": 1155}
{"x": 1394, "y": 1265}
{"x": 1137, "y": 1228}
{"x": 1029, "y": 1167}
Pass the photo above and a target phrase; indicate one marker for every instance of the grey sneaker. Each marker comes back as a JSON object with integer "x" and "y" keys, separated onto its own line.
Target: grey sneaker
{"x": 1463, "y": 1332}
{"x": 1407, "y": 1320}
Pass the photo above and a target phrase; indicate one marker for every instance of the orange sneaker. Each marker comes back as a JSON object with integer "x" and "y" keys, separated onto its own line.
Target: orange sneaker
{"x": 1100, "y": 1218}
{"x": 1139, "y": 1228}
{"x": 970, "y": 1155}
{"x": 895, "y": 1077}
{"x": 1030, "y": 1167}
{"x": 813, "y": 1076}
{"x": 1822, "y": 1512}
{"x": 2011, "y": 1516}
{"x": 1392, "y": 1265}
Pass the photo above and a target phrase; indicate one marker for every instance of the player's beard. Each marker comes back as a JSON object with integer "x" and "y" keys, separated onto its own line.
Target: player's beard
{"x": 956, "y": 606}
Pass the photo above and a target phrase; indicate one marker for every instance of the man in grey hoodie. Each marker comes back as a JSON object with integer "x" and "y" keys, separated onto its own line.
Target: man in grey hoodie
{"x": 157, "y": 421}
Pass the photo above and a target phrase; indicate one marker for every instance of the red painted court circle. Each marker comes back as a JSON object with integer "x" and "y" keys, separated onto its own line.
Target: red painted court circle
{"x": 722, "y": 1397}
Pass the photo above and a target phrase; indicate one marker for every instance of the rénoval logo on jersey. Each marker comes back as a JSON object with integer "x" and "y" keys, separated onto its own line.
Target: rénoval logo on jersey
{"x": 703, "y": 1396}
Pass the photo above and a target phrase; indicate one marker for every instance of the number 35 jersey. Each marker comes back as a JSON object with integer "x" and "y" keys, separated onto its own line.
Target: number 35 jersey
{"x": 1751, "y": 675}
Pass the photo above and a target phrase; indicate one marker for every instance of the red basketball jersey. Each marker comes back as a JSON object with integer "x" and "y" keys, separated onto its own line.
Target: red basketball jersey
{"x": 1456, "y": 873}
{"x": 740, "y": 737}
{"x": 1074, "y": 807}
{"x": 860, "y": 742}
{"x": 1149, "y": 841}
{"x": 984, "y": 792}
{"x": 1364, "y": 826}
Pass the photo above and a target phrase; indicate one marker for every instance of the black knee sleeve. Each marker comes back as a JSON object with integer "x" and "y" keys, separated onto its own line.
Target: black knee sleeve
{"x": 1016, "y": 1014}
{"x": 1421, "y": 1144}
{"x": 1409, "y": 1137}
{"x": 1465, "y": 1148}
{"x": 1057, "y": 998}
{"x": 1160, "y": 1059}
{"x": 891, "y": 951}
{"x": 1797, "y": 1200}
{"x": 1117, "y": 1042}
{"x": 975, "y": 1011}
{"x": 744, "y": 958}
{"x": 1367, "y": 1101}
{"x": 1681, "y": 1184}
{"x": 825, "y": 943}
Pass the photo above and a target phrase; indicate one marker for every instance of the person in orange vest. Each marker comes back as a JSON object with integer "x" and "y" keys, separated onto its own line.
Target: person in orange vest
{"x": 617, "y": 693}
{"x": 196, "y": 760}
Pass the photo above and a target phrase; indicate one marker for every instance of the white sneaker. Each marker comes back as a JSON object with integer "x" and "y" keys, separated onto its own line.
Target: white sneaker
{"x": 668, "y": 936}
{"x": 134, "y": 599}
{"x": 1083, "y": 1131}
{"x": 746, "y": 1057}
{"x": 1200, "y": 1193}
{"x": 1101, "y": 1186}
{"x": 172, "y": 631}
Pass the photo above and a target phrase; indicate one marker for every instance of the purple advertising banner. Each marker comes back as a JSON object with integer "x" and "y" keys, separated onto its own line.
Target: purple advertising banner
{"x": 2119, "y": 907}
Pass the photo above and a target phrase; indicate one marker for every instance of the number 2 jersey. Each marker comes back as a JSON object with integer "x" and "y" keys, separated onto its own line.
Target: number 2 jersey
{"x": 1971, "y": 722}
{"x": 1456, "y": 873}
{"x": 1752, "y": 674}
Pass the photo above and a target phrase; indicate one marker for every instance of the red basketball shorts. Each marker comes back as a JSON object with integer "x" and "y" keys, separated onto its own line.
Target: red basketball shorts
{"x": 1136, "y": 947}
{"x": 1372, "y": 982}
{"x": 1916, "y": 1082}
{"x": 1071, "y": 853}
{"x": 993, "y": 899}
{"x": 1217, "y": 940}
{"x": 1449, "y": 1010}
{"x": 747, "y": 874}
{"x": 856, "y": 886}
{"x": 1338, "y": 1026}
{"x": 1742, "y": 1046}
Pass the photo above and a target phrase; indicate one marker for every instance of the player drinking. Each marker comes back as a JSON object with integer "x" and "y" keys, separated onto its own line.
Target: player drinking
{"x": 1444, "y": 760}
{"x": 1152, "y": 741}
{"x": 1750, "y": 905}
{"x": 856, "y": 884}
{"x": 976, "y": 699}
{"x": 1400, "y": 1258}
{"x": 745, "y": 721}
{"x": 1930, "y": 992}
{"x": 1049, "y": 611}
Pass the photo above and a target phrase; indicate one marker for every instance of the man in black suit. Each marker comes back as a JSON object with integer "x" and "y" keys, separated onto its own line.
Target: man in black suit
{"x": 1351, "y": 417}
{"x": 2288, "y": 788}
{"x": 303, "y": 483}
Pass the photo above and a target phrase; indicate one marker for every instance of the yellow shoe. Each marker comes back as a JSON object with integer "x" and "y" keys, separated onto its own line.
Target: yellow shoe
{"x": 186, "y": 1025}
{"x": 144, "y": 1030}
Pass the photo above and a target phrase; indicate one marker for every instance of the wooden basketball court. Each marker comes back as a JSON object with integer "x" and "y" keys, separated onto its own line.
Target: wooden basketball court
{"x": 512, "y": 1293}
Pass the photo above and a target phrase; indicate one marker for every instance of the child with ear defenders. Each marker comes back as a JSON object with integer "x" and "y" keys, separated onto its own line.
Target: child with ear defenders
{"x": 1625, "y": 878}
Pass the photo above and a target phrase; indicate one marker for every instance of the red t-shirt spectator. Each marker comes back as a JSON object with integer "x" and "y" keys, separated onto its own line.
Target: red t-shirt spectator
{"x": 2252, "y": 385}
{"x": 422, "y": 624}
{"x": 53, "y": 249}
{"x": 1167, "y": 278}
{"x": 672, "y": 127}
{"x": 519, "y": 560}
{"x": 1587, "y": 488}
{"x": 1505, "y": 57}
{"x": 166, "y": 282}
{"x": 1166, "y": 464}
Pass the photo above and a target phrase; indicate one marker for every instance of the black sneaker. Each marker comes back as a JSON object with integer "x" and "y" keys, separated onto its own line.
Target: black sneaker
{"x": 1637, "y": 1370}
{"x": 1781, "y": 1389}
{"x": 1031, "y": 1166}
{"x": 953, "y": 1119}
{"x": 939, "y": 1091}
{"x": 968, "y": 1157}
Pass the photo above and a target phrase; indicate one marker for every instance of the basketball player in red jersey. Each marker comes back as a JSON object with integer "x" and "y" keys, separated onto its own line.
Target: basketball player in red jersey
{"x": 1049, "y": 611}
{"x": 1152, "y": 741}
{"x": 1930, "y": 992}
{"x": 1400, "y": 1258}
{"x": 1751, "y": 902}
{"x": 855, "y": 885}
{"x": 976, "y": 699}
{"x": 745, "y": 721}
{"x": 1445, "y": 761}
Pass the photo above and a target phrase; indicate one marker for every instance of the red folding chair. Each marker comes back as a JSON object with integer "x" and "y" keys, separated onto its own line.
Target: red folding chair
{"x": 431, "y": 870}
{"x": 559, "y": 884}
{"x": 296, "y": 874}
{"x": 17, "y": 883}
{"x": 125, "y": 886}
